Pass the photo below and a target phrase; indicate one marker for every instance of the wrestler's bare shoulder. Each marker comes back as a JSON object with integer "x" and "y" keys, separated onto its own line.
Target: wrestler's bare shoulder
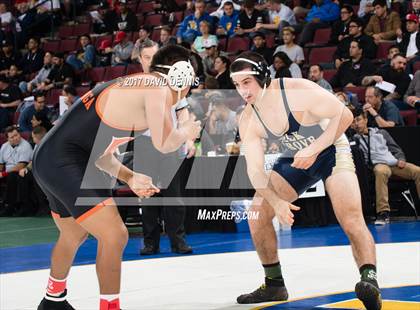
{"x": 122, "y": 104}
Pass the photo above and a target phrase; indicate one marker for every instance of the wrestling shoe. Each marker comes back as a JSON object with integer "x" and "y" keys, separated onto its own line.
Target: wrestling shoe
{"x": 264, "y": 294}
{"x": 47, "y": 304}
{"x": 369, "y": 293}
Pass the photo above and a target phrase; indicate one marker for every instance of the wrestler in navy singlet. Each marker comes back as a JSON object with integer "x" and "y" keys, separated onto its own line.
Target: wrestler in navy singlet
{"x": 296, "y": 138}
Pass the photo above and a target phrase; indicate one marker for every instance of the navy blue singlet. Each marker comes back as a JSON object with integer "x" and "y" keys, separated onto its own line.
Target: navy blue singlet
{"x": 296, "y": 138}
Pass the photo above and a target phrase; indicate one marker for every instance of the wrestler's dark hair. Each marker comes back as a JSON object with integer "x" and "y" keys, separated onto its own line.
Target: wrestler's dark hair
{"x": 263, "y": 76}
{"x": 169, "y": 55}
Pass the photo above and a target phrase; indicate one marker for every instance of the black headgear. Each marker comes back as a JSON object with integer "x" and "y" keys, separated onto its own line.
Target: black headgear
{"x": 259, "y": 69}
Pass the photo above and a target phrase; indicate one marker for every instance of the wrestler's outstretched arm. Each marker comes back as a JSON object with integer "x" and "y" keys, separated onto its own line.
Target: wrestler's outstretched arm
{"x": 254, "y": 155}
{"x": 323, "y": 106}
{"x": 140, "y": 184}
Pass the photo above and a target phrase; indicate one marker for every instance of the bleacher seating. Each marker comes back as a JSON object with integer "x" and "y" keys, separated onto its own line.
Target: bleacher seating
{"x": 322, "y": 55}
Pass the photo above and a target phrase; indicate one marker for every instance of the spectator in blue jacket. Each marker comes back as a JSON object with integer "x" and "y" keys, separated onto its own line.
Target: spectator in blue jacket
{"x": 228, "y": 21}
{"x": 27, "y": 114}
{"x": 85, "y": 57}
{"x": 189, "y": 28}
{"x": 322, "y": 13}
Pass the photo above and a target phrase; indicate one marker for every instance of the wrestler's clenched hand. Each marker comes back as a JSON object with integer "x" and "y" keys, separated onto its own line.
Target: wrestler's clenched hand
{"x": 305, "y": 158}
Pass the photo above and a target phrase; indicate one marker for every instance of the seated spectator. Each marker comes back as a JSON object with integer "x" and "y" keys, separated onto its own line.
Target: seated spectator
{"x": 228, "y": 21}
{"x": 322, "y": 13}
{"x": 409, "y": 42}
{"x": 283, "y": 67}
{"x": 166, "y": 37}
{"x": 8, "y": 56}
{"x": 14, "y": 75}
{"x": 25, "y": 118}
{"x": 340, "y": 28}
{"x": 70, "y": 94}
{"x": 248, "y": 18}
{"x": 222, "y": 120}
{"x": 294, "y": 51}
{"x": 126, "y": 19}
{"x": 386, "y": 158}
{"x": 211, "y": 82}
{"x": 40, "y": 118}
{"x": 212, "y": 53}
{"x": 316, "y": 74}
{"x": 15, "y": 154}
{"x": 42, "y": 75}
{"x": 61, "y": 74}
{"x": 351, "y": 72}
{"x": 34, "y": 60}
{"x": 392, "y": 51}
{"x": 146, "y": 51}
{"x": 221, "y": 66}
{"x": 366, "y": 10}
{"x": 105, "y": 21}
{"x": 10, "y": 99}
{"x": 342, "y": 96}
{"x": 383, "y": 25}
{"x": 412, "y": 95}
{"x": 381, "y": 113}
{"x": 220, "y": 10}
{"x": 6, "y": 17}
{"x": 122, "y": 52}
{"x": 189, "y": 28}
{"x": 355, "y": 33}
{"x": 23, "y": 21}
{"x": 416, "y": 7}
{"x": 105, "y": 53}
{"x": 144, "y": 34}
{"x": 85, "y": 57}
{"x": 40, "y": 199}
{"x": 205, "y": 35}
{"x": 395, "y": 74}
{"x": 258, "y": 39}
{"x": 280, "y": 16}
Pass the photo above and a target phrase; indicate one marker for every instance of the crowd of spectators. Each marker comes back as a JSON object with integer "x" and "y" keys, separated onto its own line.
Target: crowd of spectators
{"x": 366, "y": 52}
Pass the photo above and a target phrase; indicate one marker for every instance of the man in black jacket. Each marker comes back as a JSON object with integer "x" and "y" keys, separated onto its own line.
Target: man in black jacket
{"x": 387, "y": 158}
{"x": 409, "y": 42}
{"x": 258, "y": 38}
{"x": 355, "y": 29}
{"x": 33, "y": 61}
{"x": 394, "y": 74}
{"x": 351, "y": 72}
{"x": 126, "y": 19}
{"x": 340, "y": 29}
